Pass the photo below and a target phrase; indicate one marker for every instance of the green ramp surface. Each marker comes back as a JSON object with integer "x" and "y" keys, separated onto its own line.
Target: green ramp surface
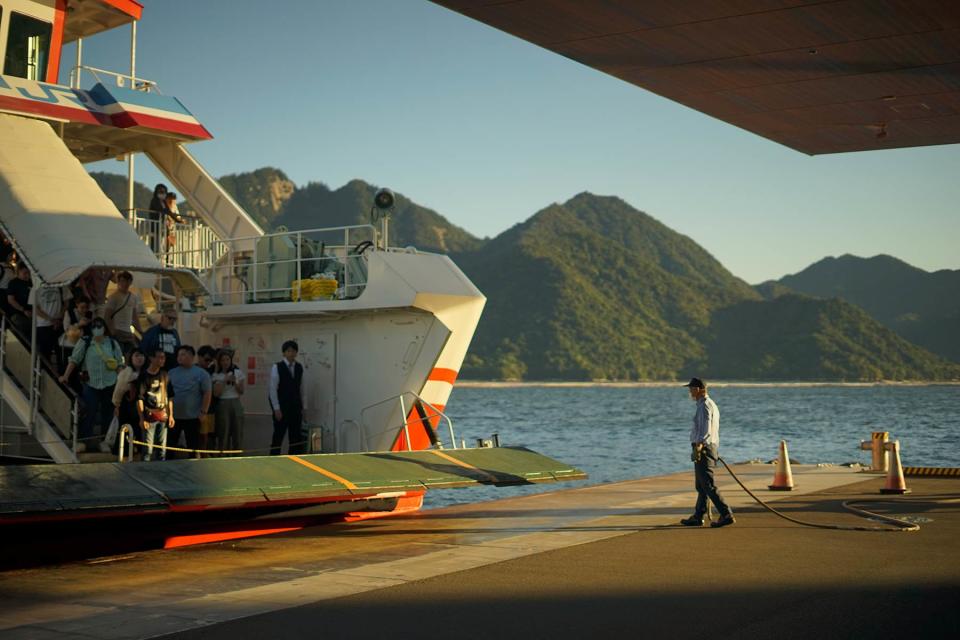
{"x": 84, "y": 490}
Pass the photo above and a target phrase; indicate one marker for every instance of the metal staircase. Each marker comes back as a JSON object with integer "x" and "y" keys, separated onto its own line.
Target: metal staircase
{"x": 214, "y": 205}
{"x": 48, "y": 415}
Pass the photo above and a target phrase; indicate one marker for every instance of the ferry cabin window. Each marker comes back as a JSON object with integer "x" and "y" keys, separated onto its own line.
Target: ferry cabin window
{"x": 28, "y": 47}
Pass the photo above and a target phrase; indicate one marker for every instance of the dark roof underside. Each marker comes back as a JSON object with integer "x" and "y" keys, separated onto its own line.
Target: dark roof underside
{"x": 816, "y": 76}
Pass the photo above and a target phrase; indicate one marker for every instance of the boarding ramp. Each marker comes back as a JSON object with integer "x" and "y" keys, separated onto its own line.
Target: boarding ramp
{"x": 214, "y": 205}
{"x": 94, "y": 490}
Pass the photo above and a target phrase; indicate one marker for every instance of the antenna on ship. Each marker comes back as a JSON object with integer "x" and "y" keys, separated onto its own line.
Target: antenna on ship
{"x": 384, "y": 203}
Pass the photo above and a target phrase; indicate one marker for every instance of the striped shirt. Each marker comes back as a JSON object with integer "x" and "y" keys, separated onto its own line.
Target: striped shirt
{"x": 706, "y": 423}
{"x": 87, "y": 356}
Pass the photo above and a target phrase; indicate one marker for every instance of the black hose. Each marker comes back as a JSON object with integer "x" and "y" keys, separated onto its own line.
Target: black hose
{"x": 901, "y": 525}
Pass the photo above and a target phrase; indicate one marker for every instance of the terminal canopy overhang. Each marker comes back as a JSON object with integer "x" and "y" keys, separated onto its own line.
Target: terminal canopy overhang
{"x": 818, "y": 77}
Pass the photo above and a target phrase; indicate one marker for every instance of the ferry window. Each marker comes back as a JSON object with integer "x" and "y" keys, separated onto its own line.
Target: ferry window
{"x": 28, "y": 47}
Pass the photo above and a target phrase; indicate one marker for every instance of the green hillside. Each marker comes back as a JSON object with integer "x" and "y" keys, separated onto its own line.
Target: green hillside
{"x": 115, "y": 186}
{"x": 316, "y": 205}
{"x": 795, "y": 337}
{"x": 262, "y": 193}
{"x": 594, "y": 289}
{"x": 922, "y": 307}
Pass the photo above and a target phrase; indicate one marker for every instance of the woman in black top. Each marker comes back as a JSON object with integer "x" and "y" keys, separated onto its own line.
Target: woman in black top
{"x": 157, "y": 206}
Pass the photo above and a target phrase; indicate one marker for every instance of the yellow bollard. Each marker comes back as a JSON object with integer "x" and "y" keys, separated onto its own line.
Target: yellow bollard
{"x": 877, "y": 448}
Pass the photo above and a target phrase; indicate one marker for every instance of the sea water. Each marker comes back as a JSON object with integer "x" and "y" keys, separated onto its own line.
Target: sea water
{"x": 620, "y": 433}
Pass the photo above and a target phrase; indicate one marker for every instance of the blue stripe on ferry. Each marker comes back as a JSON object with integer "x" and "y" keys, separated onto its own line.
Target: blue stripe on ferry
{"x": 113, "y": 95}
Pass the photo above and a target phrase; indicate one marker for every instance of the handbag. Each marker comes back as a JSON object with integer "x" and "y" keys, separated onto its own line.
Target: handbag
{"x": 109, "y": 361}
{"x": 156, "y": 415}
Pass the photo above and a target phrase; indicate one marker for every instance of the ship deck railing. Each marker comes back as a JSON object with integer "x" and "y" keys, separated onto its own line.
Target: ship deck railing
{"x": 275, "y": 267}
{"x": 120, "y": 79}
{"x": 184, "y": 242}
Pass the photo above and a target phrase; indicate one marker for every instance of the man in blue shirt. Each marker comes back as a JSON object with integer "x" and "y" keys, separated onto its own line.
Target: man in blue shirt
{"x": 163, "y": 336}
{"x": 192, "y": 389}
{"x": 705, "y": 449}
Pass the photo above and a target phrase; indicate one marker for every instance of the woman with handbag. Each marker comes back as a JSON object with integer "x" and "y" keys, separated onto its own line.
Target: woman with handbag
{"x": 227, "y": 388}
{"x": 100, "y": 357}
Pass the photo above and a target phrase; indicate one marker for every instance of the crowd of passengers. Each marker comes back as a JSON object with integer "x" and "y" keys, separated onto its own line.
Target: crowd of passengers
{"x": 123, "y": 372}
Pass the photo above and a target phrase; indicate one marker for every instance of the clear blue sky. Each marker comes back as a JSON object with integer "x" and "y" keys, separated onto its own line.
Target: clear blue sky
{"x": 488, "y": 129}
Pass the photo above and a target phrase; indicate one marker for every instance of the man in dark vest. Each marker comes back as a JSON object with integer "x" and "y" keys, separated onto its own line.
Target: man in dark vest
{"x": 287, "y": 401}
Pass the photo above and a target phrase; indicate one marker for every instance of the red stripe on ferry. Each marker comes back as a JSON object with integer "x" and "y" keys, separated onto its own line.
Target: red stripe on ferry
{"x": 54, "y": 111}
{"x": 127, "y": 120}
{"x": 443, "y": 375}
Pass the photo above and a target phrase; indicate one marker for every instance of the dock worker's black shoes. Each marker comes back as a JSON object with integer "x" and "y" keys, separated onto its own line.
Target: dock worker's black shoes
{"x": 724, "y": 521}
{"x": 692, "y": 521}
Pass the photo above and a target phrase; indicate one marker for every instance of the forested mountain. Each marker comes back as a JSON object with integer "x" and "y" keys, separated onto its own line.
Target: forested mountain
{"x": 115, "y": 186}
{"x": 262, "y": 193}
{"x": 795, "y": 337}
{"x": 922, "y": 307}
{"x": 316, "y": 205}
{"x": 593, "y": 288}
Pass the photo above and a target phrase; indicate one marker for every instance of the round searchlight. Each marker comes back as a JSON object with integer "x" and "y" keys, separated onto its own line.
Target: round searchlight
{"x": 384, "y": 200}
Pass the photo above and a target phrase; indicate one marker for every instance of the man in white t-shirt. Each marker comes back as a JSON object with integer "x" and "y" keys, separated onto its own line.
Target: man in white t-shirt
{"x": 122, "y": 312}
{"x": 49, "y": 304}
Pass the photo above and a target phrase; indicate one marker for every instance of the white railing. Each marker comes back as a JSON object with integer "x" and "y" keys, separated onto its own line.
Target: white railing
{"x": 312, "y": 264}
{"x": 186, "y": 244}
{"x": 121, "y": 79}
{"x": 404, "y": 410}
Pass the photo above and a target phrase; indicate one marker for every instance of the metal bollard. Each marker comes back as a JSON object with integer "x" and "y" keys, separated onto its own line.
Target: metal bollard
{"x": 124, "y": 436}
{"x": 877, "y": 448}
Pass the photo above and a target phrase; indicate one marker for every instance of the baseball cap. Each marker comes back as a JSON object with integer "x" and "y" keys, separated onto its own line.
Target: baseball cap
{"x": 696, "y": 382}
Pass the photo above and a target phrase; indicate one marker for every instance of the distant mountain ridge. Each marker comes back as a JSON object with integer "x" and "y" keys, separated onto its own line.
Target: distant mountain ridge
{"x": 795, "y": 337}
{"x": 595, "y": 289}
{"x": 922, "y": 307}
{"x": 316, "y": 205}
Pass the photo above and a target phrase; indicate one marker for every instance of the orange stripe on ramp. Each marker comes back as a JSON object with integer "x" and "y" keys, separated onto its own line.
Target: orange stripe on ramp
{"x": 461, "y": 463}
{"x": 329, "y": 474}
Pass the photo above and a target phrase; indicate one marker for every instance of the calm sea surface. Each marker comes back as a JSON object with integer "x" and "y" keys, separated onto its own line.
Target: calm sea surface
{"x": 616, "y": 433}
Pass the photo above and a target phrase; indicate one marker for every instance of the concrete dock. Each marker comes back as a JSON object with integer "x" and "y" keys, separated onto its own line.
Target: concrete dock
{"x": 601, "y": 561}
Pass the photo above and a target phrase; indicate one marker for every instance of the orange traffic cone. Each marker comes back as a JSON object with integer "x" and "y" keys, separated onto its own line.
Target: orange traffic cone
{"x": 783, "y": 477}
{"x": 895, "y": 482}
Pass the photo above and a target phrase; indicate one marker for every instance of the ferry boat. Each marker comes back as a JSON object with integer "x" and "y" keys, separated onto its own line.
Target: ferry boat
{"x": 382, "y": 330}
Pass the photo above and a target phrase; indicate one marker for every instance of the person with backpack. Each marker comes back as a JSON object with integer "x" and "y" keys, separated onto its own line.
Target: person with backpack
{"x": 100, "y": 357}
{"x": 122, "y": 313}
